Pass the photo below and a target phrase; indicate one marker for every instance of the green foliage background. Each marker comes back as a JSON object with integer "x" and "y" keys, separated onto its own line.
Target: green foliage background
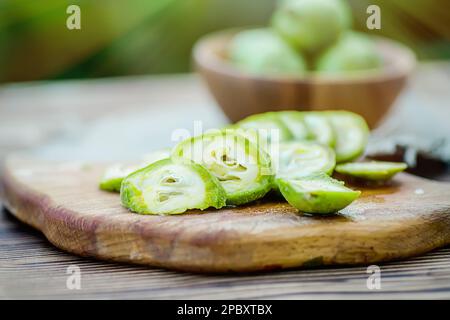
{"x": 121, "y": 37}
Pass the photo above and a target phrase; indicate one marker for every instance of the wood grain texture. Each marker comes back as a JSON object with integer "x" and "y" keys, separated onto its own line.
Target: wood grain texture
{"x": 32, "y": 268}
{"x": 240, "y": 94}
{"x": 62, "y": 200}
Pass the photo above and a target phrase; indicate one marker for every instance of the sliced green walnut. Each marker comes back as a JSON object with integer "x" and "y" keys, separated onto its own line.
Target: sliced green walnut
{"x": 154, "y": 156}
{"x": 373, "y": 170}
{"x": 319, "y": 194}
{"x": 268, "y": 126}
{"x": 170, "y": 187}
{"x": 113, "y": 176}
{"x": 351, "y": 133}
{"x": 320, "y": 128}
{"x": 299, "y": 159}
{"x": 243, "y": 169}
{"x": 294, "y": 121}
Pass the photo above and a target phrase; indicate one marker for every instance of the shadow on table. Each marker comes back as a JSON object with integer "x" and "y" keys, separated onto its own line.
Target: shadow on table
{"x": 10, "y": 224}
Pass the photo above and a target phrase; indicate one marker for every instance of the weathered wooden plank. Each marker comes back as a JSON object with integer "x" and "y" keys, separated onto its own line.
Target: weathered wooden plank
{"x": 40, "y": 272}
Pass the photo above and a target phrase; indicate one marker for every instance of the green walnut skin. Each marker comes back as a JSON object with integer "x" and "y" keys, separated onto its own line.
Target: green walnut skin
{"x": 351, "y": 133}
{"x": 114, "y": 175}
{"x": 295, "y": 122}
{"x": 308, "y": 125}
{"x": 111, "y": 184}
{"x": 136, "y": 185}
{"x": 266, "y": 121}
{"x": 319, "y": 194}
{"x": 353, "y": 52}
{"x": 261, "y": 51}
{"x": 244, "y": 181}
{"x": 299, "y": 159}
{"x": 311, "y": 25}
{"x": 372, "y": 171}
{"x": 320, "y": 128}
{"x": 346, "y": 131}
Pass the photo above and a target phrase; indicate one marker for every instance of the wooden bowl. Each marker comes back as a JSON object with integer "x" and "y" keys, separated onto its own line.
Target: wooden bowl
{"x": 370, "y": 93}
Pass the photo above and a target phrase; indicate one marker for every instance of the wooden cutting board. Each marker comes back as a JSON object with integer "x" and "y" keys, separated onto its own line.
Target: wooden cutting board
{"x": 410, "y": 217}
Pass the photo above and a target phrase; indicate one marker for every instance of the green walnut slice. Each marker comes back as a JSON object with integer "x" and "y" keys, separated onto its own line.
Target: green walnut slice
{"x": 294, "y": 121}
{"x": 170, "y": 187}
{"x": 243, "y": 169}
{"x": 268, "y": 126}
{"x": 299, "y": 159}
{"x": 154, "y": 156}
{"x": 252, "y": 135}
{"x": 351, "y": 133}
{"x": 319, "y": 194}
{"x": 320, "y": 128}
{"x": 373, "y": 170}
{"x": 114, "y": 174}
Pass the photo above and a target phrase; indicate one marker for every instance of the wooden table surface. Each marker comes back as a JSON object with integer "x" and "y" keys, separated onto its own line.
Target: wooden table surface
{"x": 72, "y": 119}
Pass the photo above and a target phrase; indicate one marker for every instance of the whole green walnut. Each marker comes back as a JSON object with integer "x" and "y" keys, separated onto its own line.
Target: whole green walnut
{"x": 354, "y": 51}
{"x": 262, "y": 51}
{"x": 311, "y": 25}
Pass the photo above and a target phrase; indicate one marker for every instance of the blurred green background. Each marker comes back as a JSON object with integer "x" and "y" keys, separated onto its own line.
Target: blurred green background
{"x": 156, "y": 36}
